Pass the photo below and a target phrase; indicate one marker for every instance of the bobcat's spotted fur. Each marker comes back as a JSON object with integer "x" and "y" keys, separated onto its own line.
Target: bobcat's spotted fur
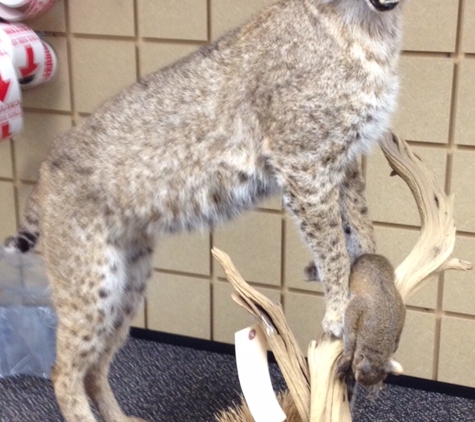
{"x": 286, "y": 103}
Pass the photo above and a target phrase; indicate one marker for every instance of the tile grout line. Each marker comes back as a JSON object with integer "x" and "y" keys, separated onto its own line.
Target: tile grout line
{"x": 459, "y": 315}
{"x": 420, "y": 309}
{"x": 464, "y": 147}
{"x": 157, "y": 40}
{"x": 283, "y": 248}
{"x": 267, "y": 211}
{"x": 431, "y": 311}
{"x": 430, "y": 54}
{"x": 462, "y": 233}
{"x": 254, "y": 284}
{"x": 400, "y": 226}
{"x": 38, "y": 110}
{"x": 180, "y": 273}
{"x": 364, "y": 168}
{"x": 213, "y": 279}
{"x": 451, "y": 148}
{"x": 137, "y": 77}
{"x": 438, "y": 145}
{"x": 208, "y": 17}
{"x": 69, "y": 51}
{"x": 458, "y": 57}
{"x": 137, "y": 41}
{"x": 110, "y": 37}
{"x": 428, "y": 145}
{"x": 313, "y": 293}
{"x": 22, "y": 181}
{"x": 16, "y": 183}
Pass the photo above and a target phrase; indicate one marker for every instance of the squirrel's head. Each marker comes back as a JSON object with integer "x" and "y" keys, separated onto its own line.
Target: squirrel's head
{"x": 369, "y": 373}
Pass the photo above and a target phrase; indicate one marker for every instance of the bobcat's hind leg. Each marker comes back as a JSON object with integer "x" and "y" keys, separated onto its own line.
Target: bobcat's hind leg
{"x": 95, "y": 297}
{"x": 97, "y": 380}
{"x": 80, "y": 341}
{"x": 72, "y": 360}
{"x": 137, "y": 271}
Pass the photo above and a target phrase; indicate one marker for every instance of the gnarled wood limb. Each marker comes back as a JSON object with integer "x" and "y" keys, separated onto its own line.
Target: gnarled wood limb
{"x": 432, "y": 251}
{"x": 430, "y": 256}
{"x": 329, "y": 394}
{"x": 281, "y": 340}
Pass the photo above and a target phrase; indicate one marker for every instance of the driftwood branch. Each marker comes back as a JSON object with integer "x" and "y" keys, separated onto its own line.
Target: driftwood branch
{"x": 432, "y": 251}
{"x": 329, "y": 394}
{"x": 321, "y": 397}
{"x": 281, "y": 340}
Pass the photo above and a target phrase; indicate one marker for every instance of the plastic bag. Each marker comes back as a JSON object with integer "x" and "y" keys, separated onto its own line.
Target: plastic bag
{"x": 27, "y": 319}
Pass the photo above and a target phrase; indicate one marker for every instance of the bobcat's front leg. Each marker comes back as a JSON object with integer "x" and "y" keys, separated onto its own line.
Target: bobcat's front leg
{"x": 357, "y": 226}
{"x": 313, "y": 198}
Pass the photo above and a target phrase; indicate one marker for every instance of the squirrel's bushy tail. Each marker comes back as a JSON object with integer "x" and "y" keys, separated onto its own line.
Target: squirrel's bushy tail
{"x": 28, "y": 234}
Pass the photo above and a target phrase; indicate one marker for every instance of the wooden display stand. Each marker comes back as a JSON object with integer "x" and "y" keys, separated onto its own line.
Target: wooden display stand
{"x": 315, "y": 393}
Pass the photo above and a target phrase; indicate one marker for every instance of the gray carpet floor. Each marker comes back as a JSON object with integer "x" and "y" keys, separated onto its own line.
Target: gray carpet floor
{"x": 159, "y": 383}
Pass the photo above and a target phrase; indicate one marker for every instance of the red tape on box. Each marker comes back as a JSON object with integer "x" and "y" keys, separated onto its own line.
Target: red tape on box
{"x": 11, "y": 113}
{"x": 26, "y": 62}
{"x": 17, "y": 10}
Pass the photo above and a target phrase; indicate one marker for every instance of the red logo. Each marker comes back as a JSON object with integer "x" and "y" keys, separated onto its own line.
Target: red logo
{"x": 31, "y": 66}
{"x": 4, "y": 85}
{"x": 6, "y": 130}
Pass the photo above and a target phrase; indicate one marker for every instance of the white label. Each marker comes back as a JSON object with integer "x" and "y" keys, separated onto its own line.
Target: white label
{"x": 253, "y": 370}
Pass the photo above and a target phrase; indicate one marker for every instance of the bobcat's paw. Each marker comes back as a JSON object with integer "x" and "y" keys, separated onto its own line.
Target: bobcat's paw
{"x": 333, "y": 323}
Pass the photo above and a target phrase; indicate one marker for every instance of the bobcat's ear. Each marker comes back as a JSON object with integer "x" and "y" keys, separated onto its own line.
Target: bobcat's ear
{"x": 394, "y": 367}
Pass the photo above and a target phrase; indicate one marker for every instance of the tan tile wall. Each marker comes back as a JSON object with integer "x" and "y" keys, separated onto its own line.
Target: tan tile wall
{"x": 105, "y": 45}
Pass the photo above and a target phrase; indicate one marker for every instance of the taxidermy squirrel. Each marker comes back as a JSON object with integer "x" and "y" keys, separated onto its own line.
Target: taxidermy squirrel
{"x": 373, "y": 322}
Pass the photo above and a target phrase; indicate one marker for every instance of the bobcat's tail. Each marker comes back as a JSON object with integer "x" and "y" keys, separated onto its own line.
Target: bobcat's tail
{"x": 28, "y": 234}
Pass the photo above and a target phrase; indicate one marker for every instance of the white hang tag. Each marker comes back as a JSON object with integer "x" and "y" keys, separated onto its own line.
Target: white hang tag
{"x": 253, "y": 371}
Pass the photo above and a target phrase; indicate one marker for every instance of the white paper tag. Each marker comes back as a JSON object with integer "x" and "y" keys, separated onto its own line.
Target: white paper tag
{"x": 253, "y": 371}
